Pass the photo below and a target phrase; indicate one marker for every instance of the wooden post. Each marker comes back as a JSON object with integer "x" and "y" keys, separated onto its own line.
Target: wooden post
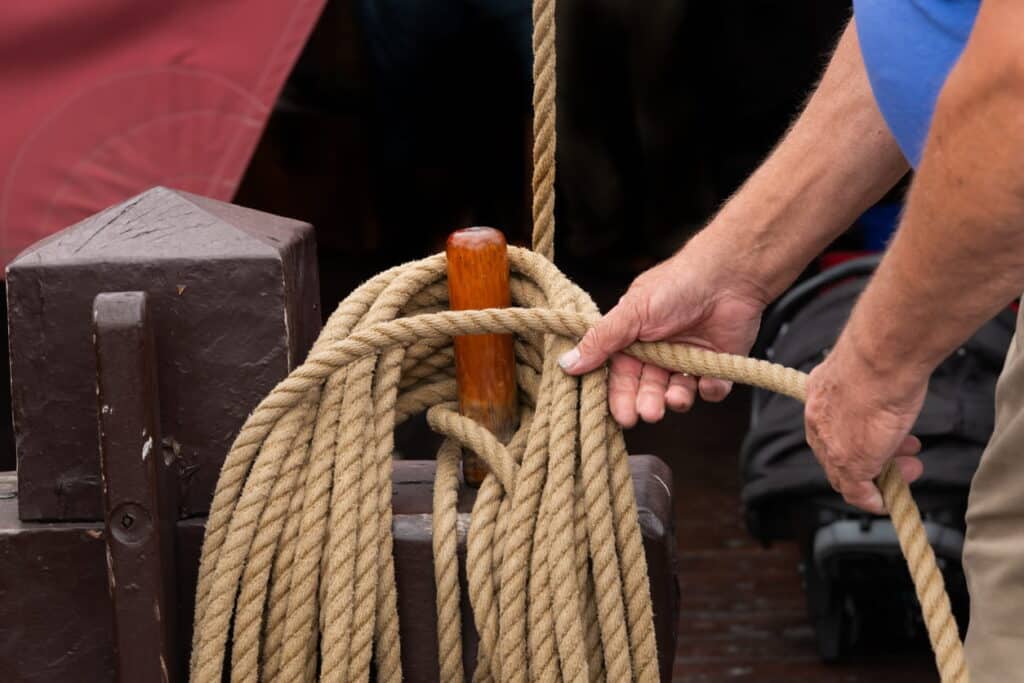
{"x": 484, "y": 364}
{"x": 233, "y": 294}
{"x": 140, "y": 491}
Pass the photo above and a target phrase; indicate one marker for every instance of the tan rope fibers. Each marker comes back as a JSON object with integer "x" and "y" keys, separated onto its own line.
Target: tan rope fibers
{"x": 298, "y": 544}
{"x": 544, "y": 118}
{"x": 297, "y": 571}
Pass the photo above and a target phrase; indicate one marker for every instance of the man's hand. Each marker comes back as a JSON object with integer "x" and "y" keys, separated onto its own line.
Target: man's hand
{"x": 857, "y": 420}
{"x": 837, "y": 160}
{"x": 685, "y": 299}
{"x": 955, "y": 261}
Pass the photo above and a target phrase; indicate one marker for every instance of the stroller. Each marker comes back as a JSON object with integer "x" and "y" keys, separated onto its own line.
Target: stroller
{"x": 846, "y": 553}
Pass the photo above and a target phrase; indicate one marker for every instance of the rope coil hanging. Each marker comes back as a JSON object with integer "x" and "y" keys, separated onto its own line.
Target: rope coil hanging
{"x": 297, "y": 571}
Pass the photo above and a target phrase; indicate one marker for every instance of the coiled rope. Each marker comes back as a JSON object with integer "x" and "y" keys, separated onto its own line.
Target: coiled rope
{"x": 297, "y": 579}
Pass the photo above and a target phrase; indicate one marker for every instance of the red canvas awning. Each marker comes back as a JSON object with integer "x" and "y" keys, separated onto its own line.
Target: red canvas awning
{"x": 101, "y": 99}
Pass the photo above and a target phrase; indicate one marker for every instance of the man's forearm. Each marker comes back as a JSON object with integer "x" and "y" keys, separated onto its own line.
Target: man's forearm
{"x": 958, "y": 256}
{"x": 838, "y": 159}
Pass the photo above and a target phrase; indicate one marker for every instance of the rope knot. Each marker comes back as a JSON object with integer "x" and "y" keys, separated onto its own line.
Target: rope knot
{"x": 501, "y": 461}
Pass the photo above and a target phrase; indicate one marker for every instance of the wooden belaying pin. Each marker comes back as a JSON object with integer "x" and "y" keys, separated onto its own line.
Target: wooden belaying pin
{"x": 485, "y": 364}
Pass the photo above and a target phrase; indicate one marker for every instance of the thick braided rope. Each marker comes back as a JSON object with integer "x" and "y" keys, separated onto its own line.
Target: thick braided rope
{"x": 297, "y": 567}
{"x": 942, "y": 630}
{"x": 544, "y": 135}
{"x": 906, "y": 518}
{"x": 292, "y": 569}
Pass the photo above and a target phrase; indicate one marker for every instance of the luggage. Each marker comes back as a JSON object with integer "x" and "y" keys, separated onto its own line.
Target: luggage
{"x": 847, "y": 554}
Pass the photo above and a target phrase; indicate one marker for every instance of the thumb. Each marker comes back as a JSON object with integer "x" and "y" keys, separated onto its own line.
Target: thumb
{"x": 615, "y": 331}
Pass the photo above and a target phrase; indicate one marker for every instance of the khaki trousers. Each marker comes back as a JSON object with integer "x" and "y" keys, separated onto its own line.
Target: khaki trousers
{"x": 994, "y": 547}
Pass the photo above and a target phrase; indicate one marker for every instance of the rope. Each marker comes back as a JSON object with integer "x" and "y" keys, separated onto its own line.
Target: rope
{"x": 906, "y": 518}
{"x": 544, "y": 117}
{"x": 297, "y": 570}
{"x": 556, "y": 571}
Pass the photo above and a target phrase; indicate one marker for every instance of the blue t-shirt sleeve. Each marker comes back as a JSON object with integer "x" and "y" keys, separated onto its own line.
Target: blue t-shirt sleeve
{"x": 909, "y": 47}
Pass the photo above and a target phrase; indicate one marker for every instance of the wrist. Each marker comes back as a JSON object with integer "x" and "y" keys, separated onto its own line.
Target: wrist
{"x": 741, "y": 259}
{"x": 877, "y": 363}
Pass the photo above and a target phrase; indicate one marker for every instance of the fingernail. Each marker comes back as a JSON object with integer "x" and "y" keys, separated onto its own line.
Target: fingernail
{"x": 569, "y": 359}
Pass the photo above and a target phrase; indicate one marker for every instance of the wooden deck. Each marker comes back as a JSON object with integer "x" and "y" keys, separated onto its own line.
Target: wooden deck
{"x": 743, "y": 616}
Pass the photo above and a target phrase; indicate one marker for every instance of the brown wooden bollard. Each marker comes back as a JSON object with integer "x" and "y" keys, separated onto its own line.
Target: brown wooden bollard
{"x": 234, "y": 300}
{"x": 485, "y": 364}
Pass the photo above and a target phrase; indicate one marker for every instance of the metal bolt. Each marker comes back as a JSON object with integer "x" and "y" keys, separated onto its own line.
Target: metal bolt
{"x": 127, "y": 520}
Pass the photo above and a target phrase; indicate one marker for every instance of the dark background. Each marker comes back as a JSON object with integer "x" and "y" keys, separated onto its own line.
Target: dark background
{"x": 665, "y": 106}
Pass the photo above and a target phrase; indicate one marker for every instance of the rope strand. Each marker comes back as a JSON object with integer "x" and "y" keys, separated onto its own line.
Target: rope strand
{"x": 522, "y": 551}
{"x": 297, "y": 565}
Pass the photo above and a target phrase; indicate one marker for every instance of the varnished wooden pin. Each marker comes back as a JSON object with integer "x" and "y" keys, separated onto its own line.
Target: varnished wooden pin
{"x": 478, "y": 276}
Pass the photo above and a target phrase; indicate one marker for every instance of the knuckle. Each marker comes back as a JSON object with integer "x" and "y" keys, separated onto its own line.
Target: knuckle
{"x": 652, "y": 374}
{"x": 857, "y": 499}
{"x": 649, "y": 388}
{"x": 606, "y": 337}
{"x": 619, "y": 382}
{"x": 591, "y": 341}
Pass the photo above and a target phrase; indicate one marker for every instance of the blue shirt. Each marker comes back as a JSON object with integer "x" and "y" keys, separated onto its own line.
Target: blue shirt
{"x": 909, "y": 47}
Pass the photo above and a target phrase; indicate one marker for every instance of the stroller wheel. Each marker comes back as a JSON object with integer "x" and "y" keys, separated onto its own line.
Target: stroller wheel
{"x": 833, "y": 613}
{"x": 836, "y": 628}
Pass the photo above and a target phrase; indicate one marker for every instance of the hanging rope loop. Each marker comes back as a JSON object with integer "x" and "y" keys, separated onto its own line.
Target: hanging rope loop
{"x": 300, "y": 529}
{"x": 297, "y": 569}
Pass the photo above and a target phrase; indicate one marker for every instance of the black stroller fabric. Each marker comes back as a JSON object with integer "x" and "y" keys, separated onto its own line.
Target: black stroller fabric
{"x": 779, "y": 471}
